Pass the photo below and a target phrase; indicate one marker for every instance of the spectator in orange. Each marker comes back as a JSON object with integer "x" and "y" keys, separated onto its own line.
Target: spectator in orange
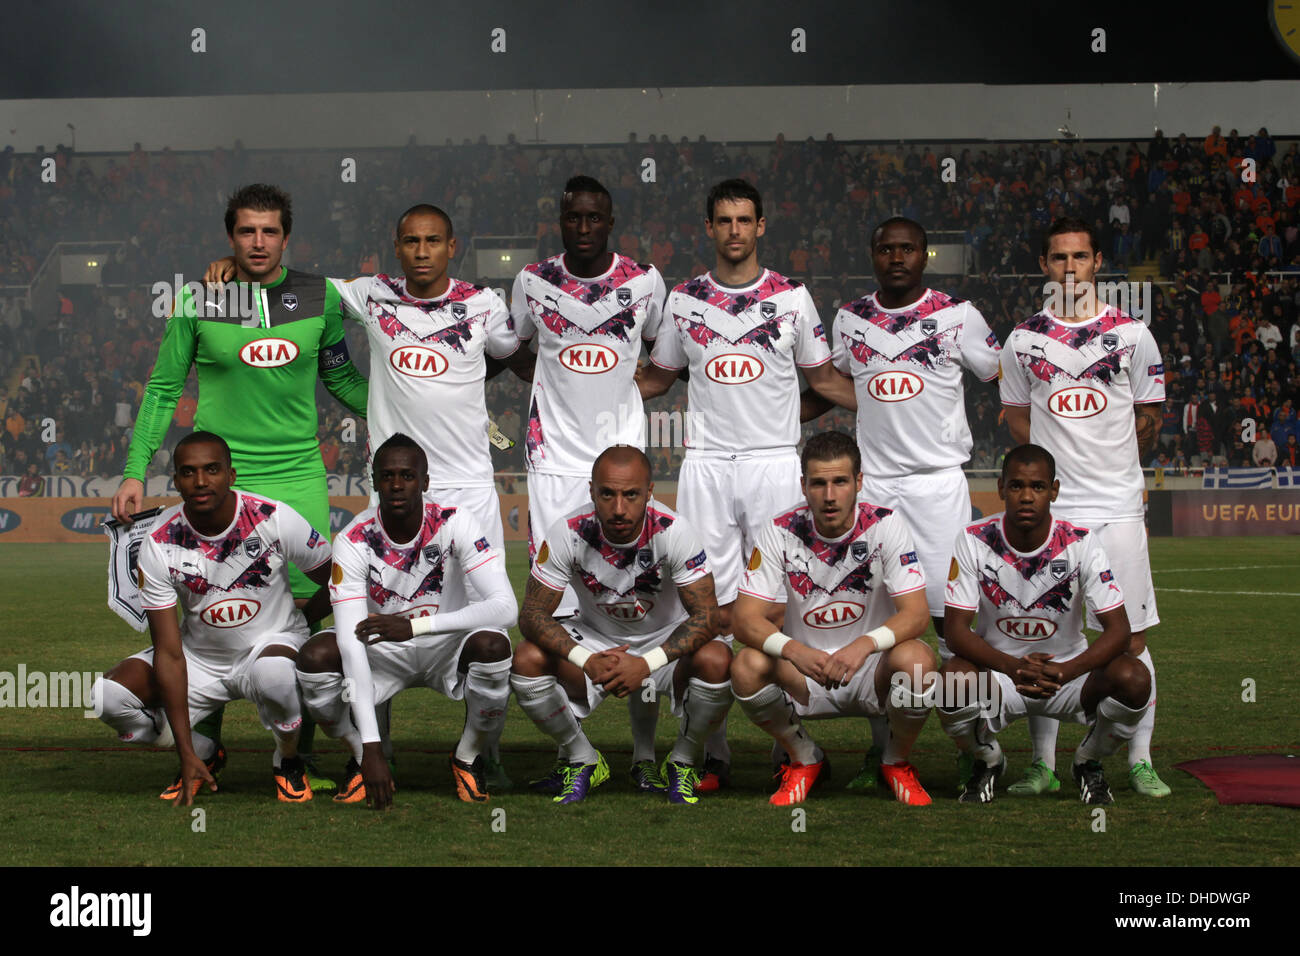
{"x": 1242, "y": 329}
{"x": 329, "y": 452}
{"x": 1211, "y": 300}
{"x": 15, "y": 423}
{"x": 185, "y": 409}
{"x": 1215, "y": 144}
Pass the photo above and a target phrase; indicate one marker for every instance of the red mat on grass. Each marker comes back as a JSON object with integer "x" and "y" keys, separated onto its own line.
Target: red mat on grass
{"x": 1262, "y": 778}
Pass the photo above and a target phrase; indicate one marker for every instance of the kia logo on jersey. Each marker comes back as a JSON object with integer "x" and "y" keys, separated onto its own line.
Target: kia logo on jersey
{"x": 1077, "y": 401}
{"x": 418, "y": 361}
{"x": 420, "y": 610}
{"x": 589, "y": 358}
{"x": 628, "y": 610}
{"x": 268, "y": 353}
{"x": 733, "y": 369}
{"x": 1027, "y": 628}
{"x": 894, "y": 386}
{"x": 835, "y": 614}
{"x": 231, "y": 612}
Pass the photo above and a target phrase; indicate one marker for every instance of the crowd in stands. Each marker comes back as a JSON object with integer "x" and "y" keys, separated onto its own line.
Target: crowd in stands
{"x": 1212, "y": 221}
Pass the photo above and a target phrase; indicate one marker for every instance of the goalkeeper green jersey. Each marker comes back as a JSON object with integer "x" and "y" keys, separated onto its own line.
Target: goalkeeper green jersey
{"x": 257, "y": 380}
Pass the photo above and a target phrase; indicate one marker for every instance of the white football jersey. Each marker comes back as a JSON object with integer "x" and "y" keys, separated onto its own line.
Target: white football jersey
{"x": 1081, "y": 381}
{"x": 742, "y": 346}
{"x": 589, "y": 333}
{"x": 1027, "y": 603}
{"x": 415, "y": 579}
{"x": 833, "y": 591}
{"x": 906, "y": 368}
{"x": 625, "y": 592}
{"x": 427, "y": 370}
{"x": 234, "y": 587}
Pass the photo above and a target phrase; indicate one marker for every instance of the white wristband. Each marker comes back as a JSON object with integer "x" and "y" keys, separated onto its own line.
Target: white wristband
{"x": 422, "y": 625}
{"x": 656, "y": 659}
{"x": 775, "y": 641}
{"x": 883, "y": 637}
{"x": 579, "y": 655}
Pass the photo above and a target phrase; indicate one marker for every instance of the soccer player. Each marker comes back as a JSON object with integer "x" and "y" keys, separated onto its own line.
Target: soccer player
{"x": 223, "y": 555}
{"x": 430, "y": 338}
{"x": 842, "y": 578}
{"x": 587, "y": 310}
{"x": 1085, "y": 381}
{"x": 905, "y": 347}
{"x": 743, "y": 332}
{"x": 402, "y": 619}
{"x": 257, "y": 377}
{"x": 645, "y": 625}
{"x": 1028, "y": 574}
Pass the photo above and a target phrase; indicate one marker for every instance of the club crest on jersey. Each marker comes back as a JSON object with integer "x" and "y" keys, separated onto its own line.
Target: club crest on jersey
{"x": 432, "y": 553}
{"x": 1060, "y": 567}
{"x": 929, "y": 326}
{"x": 1110, "y": 341}
{"x": 768, "y": 309}
{"x": 289, "y": 301}
{"x": 859, "y": 551}
{"x": 458, "y": 310}
{"x": 253, "y": 547}
{"x": 644, "y": 558}
{"x": 623, "y": 297}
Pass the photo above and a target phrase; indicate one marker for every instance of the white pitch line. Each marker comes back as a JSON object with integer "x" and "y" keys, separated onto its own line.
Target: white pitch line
{"x": 1252, "y": 593}
{"x": 1236, "y": 567}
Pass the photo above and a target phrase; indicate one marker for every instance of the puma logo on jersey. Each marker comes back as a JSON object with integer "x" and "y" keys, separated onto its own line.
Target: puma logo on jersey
{"x": 894, "y": 386}
{"x": 1078, "y": 401}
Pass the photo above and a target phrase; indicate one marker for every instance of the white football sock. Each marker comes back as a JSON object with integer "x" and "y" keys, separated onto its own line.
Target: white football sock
{"x": 879, "y": 732}
{"x": 703, "y": 710}
{"x": 773, "y": 711}
{"x": 643, "y": 715}
{"x": 322, "y": 695}
{"x": 905, "y": 723}
{"x": 1113, "y": 725}
{"x": 969, "y": 731}
{"x": 547, "y": 706}
{"x": 126, "y": 713}
{"x": 487, "y": 692}
{"x": 1042, "y": 731}
{"x": 1139, "y": 748}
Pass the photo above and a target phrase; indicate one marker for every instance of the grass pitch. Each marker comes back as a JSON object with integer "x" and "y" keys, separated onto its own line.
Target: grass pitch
{"x": 70, "y": 794}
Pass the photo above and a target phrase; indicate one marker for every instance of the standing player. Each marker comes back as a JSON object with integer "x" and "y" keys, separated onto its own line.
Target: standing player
{"x": 224, "y": 556}
{"x": 398, "y": 585}
{"x": 645, "y": 623}
{"x": 743, "y": 332}
{"x": 1087, "y": 384}
{"x": 1028, "y": 575}
{"x": 257, "y": 378}
{"x": 905, "y": 347}
{"x": 589, "y": 309}
{"x": 842, "y": 578}
{"x": 430, "y": 337}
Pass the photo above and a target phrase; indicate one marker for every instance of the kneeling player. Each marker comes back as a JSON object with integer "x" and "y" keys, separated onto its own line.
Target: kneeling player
{"x": 224, "y": 555}
{"x": 402, "y": 619}
{"x": 843, "y": 578}
{"x": 1028, "y": 574}
{"x": 646, "y": 621}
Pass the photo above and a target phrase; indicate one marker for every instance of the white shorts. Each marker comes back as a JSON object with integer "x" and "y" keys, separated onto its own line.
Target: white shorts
{"x": 727, "y": 499}
{"x": 550, "y": 499}
{"x": 427, "y": 661}
{"x": 1010, "y": 705}
{"x": 212, "y": 684}
{"x": 1125, "y": 543}
{"x": 482, "y": 503}
{"x": 935, "y": 506}
{"x": 595, "y": 642}
{"x": 856, "y": 699}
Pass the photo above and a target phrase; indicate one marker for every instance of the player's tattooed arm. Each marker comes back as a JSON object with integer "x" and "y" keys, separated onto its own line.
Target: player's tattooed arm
{"x": 1149, "y": 419}
{"x": 537, "y": 621}
{"x": 702, "y": 624}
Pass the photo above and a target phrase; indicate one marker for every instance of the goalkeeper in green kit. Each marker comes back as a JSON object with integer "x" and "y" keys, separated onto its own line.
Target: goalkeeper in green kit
{"x": 257, "y": 384}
